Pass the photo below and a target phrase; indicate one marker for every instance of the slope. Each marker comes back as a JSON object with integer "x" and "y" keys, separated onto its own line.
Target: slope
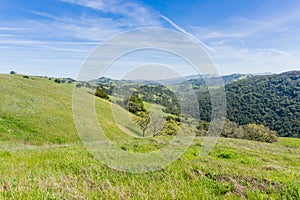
{"x": 37, "y": 110}
{"x": 272, "y": 100}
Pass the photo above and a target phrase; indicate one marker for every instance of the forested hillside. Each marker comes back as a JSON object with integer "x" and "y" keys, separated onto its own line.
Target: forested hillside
{"x": 269, "y": 100}
{"x": 272, "y": 100}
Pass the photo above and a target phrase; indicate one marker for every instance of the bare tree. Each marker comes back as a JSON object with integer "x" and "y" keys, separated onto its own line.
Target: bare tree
{"x": 142, "y": 119}
{"x": 157, "y": 122}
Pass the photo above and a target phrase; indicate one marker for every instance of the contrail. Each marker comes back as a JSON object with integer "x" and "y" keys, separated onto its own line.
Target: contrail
{"x": 183, "y": 31}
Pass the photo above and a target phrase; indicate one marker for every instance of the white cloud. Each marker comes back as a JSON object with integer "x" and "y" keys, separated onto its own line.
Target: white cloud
{"x": 136, "y": 14}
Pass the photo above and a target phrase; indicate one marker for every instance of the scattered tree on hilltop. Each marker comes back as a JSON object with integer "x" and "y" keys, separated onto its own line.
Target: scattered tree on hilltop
{"x": 57, "y": 80}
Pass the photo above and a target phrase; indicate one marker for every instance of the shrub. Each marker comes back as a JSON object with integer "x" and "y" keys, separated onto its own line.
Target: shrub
{"x": 25, "y": 76}
{"x": 79, "y": 85}
{"x": 100, "y": 93}
{"x": 202, "y": 128}
{"x": 170, "y": 118}
{"x": 232, "y": 130}
{"x": 13, "y": 72}
{"x": 57, "y": 80}
{"x": 259, "y": 133}
{"x": 134, "y": 104}
{"x": 171, "y": 127}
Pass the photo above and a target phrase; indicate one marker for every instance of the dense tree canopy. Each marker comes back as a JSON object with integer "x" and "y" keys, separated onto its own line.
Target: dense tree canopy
{"x": 273, "y": 101}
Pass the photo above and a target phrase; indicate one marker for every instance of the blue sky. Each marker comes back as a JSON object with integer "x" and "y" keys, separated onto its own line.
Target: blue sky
{"x": 54, "y": 37}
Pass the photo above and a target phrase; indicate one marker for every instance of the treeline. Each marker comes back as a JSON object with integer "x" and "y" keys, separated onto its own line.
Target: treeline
{"x": 271, "y": 100}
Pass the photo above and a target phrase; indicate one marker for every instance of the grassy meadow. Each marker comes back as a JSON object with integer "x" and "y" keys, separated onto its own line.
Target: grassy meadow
{"x": 42, "y": 157}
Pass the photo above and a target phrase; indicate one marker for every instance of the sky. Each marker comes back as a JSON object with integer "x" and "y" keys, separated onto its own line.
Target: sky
{"x": 55, "y": 37}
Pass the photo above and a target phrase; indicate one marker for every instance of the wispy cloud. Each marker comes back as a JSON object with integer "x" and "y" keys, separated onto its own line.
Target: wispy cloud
{"x": 185, "y": 32}
{"x": 136, "y": 14}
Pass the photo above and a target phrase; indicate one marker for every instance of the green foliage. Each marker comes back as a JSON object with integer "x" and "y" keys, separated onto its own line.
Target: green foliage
{"x": 173, "y": 118}
{"x": 171, "y": 127}
{"x": 232, "y": 130}
{"x": 133, "y": 104}
{"x": 100, "y": 93}
{"x": 57, "y": 80}
{"x": 12, "y": 72}
{"x": 273, "y": 101}
{"x": 248, "y": 132}
{"x": 151, "y": 93}
{"x": 259, "y": 133}
{"x": 78, "y": 85}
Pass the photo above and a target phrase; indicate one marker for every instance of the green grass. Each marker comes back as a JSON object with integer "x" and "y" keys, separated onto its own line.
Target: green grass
{"x": 41, "y": 156}
{"x": 35, "y": 110}
{"x": 234, "y": 169}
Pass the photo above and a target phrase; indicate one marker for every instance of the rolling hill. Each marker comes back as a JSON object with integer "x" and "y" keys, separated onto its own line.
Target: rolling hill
{"x": 41, "y": 156}
{"x": 272, "y": 100}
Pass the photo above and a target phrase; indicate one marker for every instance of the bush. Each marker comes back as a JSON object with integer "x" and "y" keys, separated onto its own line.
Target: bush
{"x": 78, "y": 85}
{"x": 25, "y": 76}
{"x": 233, "y": 130}
{"x": 259, "y": 133}
{"x": 202, "y": 128}
{"x": 171, "y": 118}
{"x": 13, "y": 72}
{"x": 170, "y": 128}
{"x": 57, "y": 80}
{"x": 100, "y": 93}
{"x": 134, "y": 104}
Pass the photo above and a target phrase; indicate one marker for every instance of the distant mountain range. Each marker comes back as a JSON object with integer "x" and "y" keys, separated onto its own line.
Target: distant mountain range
{"x": 193, "y": 79}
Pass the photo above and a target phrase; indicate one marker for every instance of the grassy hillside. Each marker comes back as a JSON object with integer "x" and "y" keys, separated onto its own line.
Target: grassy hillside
{"x": 234, "y": 169}
{"x": 41, "y": 156}
{"x": 36, "y": 110}
{"x": 39, "y": 111}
